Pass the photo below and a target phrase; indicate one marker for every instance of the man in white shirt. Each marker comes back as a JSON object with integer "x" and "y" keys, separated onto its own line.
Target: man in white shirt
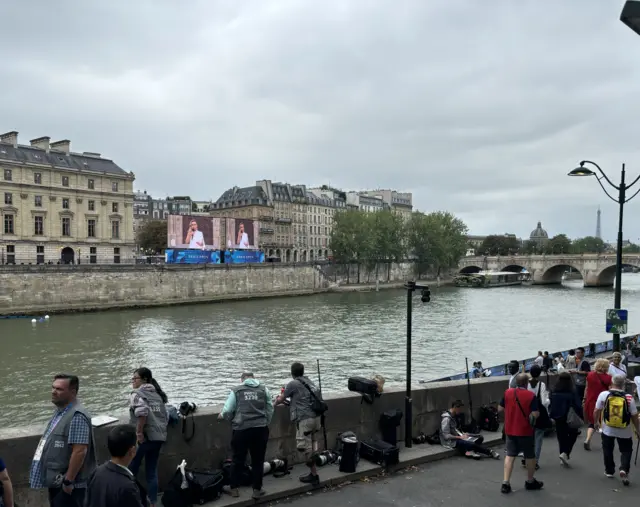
{"x": 540, "y": 359}
{"x": 617, "y": 411}
{"x": 194, "y": 238}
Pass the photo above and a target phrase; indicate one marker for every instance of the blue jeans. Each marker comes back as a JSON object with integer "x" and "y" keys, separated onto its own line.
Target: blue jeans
{"x": 539, "y": 438}
{"x": 150, "y": 451}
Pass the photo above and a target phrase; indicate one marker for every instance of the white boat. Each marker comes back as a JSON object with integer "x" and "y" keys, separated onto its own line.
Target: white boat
{"x": 487, "y": 279}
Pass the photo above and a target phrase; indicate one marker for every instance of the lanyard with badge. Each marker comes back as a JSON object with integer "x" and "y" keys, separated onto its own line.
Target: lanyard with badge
{"x": 38, "y": 454}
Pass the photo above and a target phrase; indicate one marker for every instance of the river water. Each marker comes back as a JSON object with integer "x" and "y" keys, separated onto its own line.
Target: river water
{"x": 198, "y": 352}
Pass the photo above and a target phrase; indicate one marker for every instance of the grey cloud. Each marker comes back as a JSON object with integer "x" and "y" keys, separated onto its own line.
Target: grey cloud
{"x": 477, "y": 107}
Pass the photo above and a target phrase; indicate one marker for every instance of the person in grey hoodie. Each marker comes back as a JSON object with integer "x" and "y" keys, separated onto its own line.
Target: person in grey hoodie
{"x": 250, "y": 409}
{"x": 452, "y": 438}
{"x": 149, "y": 416}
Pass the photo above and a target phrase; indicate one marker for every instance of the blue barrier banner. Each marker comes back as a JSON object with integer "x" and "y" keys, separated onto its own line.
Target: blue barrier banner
{"x": 192, "y": 256}
{"x": 243, "y": 257}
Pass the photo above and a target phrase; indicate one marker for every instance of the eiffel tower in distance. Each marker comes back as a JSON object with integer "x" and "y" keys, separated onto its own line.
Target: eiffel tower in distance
{"x": 598, "y": 228}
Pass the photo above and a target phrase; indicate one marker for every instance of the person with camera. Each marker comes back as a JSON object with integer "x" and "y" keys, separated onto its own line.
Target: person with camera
{"x": 113, "y": 484}
{"x": 148, "y": 414}
{"x": 452, "y": 438}
{"x": 6, "y": 488}
{"x": 304, "y": 398}
{"x": 250, "y": 409}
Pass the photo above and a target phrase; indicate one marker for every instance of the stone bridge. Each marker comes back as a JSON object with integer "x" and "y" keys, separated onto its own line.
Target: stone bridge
{"x": 597, "y": 270}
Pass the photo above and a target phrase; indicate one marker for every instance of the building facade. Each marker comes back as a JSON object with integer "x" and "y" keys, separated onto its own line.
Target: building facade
{"x": 366, "y": 203}
{"x": 398, "y": 202}
{"x": 61, "y": 206}
{"x": 141, "y": 210}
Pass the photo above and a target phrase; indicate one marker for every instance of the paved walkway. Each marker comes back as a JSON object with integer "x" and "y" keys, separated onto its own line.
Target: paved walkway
{"x": 460, "y": 482}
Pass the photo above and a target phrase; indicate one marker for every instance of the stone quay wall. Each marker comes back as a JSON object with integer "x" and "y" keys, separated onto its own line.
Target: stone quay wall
{"x": 37, "y": 289}
{"x": 210, "y": 444}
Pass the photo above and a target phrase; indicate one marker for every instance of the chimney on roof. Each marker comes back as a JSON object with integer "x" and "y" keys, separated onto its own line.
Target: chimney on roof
{"x": 41, "y": 142}
{"x": 91, "y": 154}
{"x": 10, "y": 137}
{"x": 63, "y": 146}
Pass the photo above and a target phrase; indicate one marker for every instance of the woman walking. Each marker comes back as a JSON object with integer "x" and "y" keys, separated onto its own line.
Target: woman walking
{"x": 617, "y": 367}
{"x": 598, "y": 380}
{"x": 564, "y": 398}
{"x": 543, "y": 423}
{"x": 149, "y": 416}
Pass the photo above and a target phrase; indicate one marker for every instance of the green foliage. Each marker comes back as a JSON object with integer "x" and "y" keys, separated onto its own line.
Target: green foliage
{"x": 559, "y": 244}
{"x": 530, "y": 248}
{"x": 499, "y": 245}
{"x": 588, "y": 244}
{"x": 435, "y": 240}
{"x": 152, "y": 236}
{"x": 631, "y": 249}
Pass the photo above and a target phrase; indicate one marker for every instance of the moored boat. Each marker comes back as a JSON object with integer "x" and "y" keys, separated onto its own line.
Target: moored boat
{"x": 487, "y": 279}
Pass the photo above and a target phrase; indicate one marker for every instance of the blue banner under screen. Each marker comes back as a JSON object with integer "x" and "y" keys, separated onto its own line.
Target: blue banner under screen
{"x": 243, "y": 257}
{"x": 192, "y": 256}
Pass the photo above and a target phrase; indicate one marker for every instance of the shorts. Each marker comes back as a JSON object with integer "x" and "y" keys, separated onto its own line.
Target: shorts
{"x": 306, "y": 429}
{"x": 524, "y": 445}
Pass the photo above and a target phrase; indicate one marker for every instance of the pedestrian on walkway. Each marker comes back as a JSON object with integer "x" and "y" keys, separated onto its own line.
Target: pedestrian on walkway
{"x": 598, "y": 381}
{"x": 543, "y": 423}
{"x": 250, "y": 410}
{"x": 521, "y": 409}
{"x": 148, "y": 414}
{"x": 302, "y": 393}
{"x": 564, "y": 398}
{"x": 618, "y": 412}
{"x": 6, "y": 488}
{"x": 580, "y": 372}
{"x": 617, "y": 367}
{"x": 113, "y": 484}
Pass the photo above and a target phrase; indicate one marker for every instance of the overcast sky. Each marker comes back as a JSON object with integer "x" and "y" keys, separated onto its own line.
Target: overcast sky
{"x": 477, "y": 107}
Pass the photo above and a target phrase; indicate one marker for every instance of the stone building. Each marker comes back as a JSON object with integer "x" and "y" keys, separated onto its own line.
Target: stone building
{"x": 61, "y": 206}
{"x": 539, "y": 236}
{"x": 367, "y": 203}
{"x": 399, "y": 202}
{"x": 141, "y": 209}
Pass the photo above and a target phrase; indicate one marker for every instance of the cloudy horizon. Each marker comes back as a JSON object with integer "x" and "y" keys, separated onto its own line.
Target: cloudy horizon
{"x": 477, "y": 108}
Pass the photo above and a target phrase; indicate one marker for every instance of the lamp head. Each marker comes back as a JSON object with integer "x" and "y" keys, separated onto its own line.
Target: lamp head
{"x": 581, "y": 171}
{"x": 630, "y": 15}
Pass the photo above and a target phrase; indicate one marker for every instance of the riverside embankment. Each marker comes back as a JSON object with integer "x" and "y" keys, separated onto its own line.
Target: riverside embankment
{"x": 68, "y": 288}
{"x": 210, "y": 444}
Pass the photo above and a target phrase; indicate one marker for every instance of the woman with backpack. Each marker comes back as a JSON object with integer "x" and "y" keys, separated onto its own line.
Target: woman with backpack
{"x": 149, "y": 416}
{"x": 564, "y": 399}
{"x": 598, "y": 380}
{"x": 543, "y": 423}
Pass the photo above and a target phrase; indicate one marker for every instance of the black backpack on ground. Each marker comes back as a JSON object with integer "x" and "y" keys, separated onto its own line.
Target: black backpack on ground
{"x": 380, "y": 452}
{"x": 202, "y": 486}
{"x": 489, "y": 420}
{"x": 246, "y": 476}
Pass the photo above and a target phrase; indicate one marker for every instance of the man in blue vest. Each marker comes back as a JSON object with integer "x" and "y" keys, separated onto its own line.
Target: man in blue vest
{"x": 250, "y": 409}
{"x": 65, "y": 456}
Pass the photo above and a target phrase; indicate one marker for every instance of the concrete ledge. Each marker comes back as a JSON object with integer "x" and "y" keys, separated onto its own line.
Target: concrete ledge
{"x": 330, "y": 476}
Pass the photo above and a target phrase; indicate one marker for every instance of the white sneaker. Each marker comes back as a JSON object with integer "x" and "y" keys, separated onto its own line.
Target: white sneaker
{"x": 624, "y": 477}
{"x": 610, "y": 476}
{"x": 565, "y": 460}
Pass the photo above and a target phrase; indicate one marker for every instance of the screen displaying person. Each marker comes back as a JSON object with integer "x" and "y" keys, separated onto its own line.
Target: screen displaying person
{"x": 195, "y": 238}
{"x": 243, "y": 237}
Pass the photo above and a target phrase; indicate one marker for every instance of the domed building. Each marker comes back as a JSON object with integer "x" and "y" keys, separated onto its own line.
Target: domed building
{"x": 539, "y": 235}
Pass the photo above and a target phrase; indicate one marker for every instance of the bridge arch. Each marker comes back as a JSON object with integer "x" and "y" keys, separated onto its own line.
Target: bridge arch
{"x": 514, "y": 268}
{"x": 470, "y": 269}
{"x": 555, "y": 273}
{"x": 607, "y": 276}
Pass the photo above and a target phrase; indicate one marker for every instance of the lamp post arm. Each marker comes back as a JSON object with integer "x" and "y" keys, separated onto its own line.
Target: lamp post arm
{"x": 630, "y": 185}
{"x": 607, "y": 192}
{"x": 601, "y": 172}
{"x": 637, "y": 192}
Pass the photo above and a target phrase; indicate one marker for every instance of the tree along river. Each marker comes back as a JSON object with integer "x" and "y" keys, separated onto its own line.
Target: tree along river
{"x": 198, "y": 352}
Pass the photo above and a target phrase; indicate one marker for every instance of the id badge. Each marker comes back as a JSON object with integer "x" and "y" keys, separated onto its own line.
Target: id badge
{"x": 39, "y": 449}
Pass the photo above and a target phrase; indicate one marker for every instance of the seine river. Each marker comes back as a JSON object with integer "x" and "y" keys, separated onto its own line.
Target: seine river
{"x": 198, "y": 352}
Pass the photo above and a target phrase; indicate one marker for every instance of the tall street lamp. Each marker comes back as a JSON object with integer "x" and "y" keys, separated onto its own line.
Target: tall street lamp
{"x": 411, "y": 287}
{"x": 621, "y": 200}
{"x": 630, "y": 15}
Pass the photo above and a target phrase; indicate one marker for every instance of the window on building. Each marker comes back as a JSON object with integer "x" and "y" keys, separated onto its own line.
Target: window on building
{"x": 115, "y": 229}
{"x": 38, "y": 223}
{"x": 65, "y": 203}
{"x": 11, "y": 254}
{"x": 8, "y": 198}
{"x": 65, "y": 181}
{"x": 7, "y": 174}
{"x": 116, "y": 255}
{"x": 91, "y": 184}
{"x": 114, "y": 186}
{"x": 37, "y": 201}
{"x": 66, "y": 226}
{"x": 91, "y": 205}
{"x": 91, "y": 228}
{"x": 37, "y": 178}
{"x": 40, "y": 254}
{"x": 93, "y": 255}
{"x": 9, "y": 224}
{"x": 114, "y": 207}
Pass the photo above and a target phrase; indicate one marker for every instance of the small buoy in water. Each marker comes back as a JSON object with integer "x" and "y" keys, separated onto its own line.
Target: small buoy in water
{"x": 46, "y": 317}
{"x": 33, "y": 321}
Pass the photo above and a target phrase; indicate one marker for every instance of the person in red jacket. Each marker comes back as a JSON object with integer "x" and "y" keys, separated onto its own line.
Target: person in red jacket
{"x": 520, "y": 408}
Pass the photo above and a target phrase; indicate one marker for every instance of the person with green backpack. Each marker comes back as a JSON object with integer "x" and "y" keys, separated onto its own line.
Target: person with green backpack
{"x": 615, "y": 413}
